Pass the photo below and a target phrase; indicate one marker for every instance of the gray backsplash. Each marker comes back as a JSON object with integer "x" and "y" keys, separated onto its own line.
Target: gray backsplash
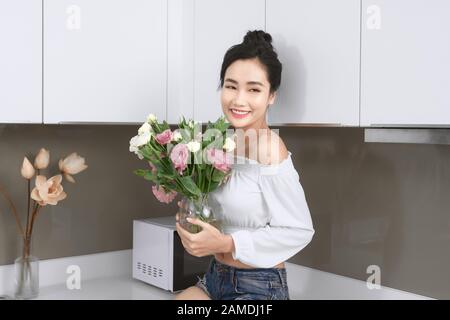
{"x": 371, "y": 203}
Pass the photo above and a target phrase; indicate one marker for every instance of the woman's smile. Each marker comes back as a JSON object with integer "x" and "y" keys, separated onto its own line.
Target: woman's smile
{"x": 239, "y": 114}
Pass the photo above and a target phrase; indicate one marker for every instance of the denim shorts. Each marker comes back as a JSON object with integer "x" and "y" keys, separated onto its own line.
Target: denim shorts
{"x": 224, "y": 282}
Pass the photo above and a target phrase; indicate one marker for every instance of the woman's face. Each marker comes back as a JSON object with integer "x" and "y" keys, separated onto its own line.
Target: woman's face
{"x": 246, "y": 88}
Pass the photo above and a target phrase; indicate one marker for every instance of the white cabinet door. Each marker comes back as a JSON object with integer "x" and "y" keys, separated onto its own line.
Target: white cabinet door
{"x": 104, "y": 60}
{"x": 180, "y": 60}
{"x": 20, "y": 61}
{"x": 318, "y": 42}
{"x": 405, "y": 70}
{"x": 218, "y": 26}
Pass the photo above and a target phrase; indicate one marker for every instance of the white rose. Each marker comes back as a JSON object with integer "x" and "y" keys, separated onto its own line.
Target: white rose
{"x": 229, "y": 144}
{"x": 135, "y": 148}
{"x": 177, "y": 136}
{"x": 151, "y": 118}
{"x": 133, "y": 144}
{"x": 144, "y": 128}
{"x": 193, "y": 146}
{"x": 191, "y": 124}
{"x": 143, "y": 139}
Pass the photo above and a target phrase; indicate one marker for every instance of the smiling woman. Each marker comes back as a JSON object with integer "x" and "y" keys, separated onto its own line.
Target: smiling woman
{"x": 265, "y": 216}
{"x": 249, "y": 78}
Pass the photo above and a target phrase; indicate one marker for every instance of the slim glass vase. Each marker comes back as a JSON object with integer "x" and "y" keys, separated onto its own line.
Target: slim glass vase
{"x": 26, "y": 273}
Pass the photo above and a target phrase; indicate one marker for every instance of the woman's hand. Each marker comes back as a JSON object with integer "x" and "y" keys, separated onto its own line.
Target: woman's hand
{"x": 207, "y": 242}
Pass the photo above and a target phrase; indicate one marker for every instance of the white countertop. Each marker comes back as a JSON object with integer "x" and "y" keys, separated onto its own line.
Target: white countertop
{"x": 110, "y": 288}
{"x": 108, "y": 276}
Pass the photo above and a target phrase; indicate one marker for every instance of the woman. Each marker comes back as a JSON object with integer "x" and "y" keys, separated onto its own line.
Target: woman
{"x": 263, "y": 207}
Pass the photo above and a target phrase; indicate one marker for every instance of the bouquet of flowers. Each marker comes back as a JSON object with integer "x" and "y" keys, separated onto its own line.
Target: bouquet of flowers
{"x": 185, "y": 161}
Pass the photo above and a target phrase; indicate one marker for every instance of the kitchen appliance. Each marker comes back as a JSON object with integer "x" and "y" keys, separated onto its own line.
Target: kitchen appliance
{"x": 159, "y": 257}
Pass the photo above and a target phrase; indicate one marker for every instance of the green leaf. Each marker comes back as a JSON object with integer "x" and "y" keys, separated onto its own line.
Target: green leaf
{"x": 159, "y": 166}
{"x": 213, "y": 186}
{"x": 190, "y": 185}
{"x": 217, "y": 175}
{"x": 146, "y": 152}
{"x": 165, "y": 125}
{"x": 151, "y": 177}
{"x": 217, "y": 144}
{"x": 155, "y": 127}
{"x": 146, "y": 174}
{"x": 171, "y": 186}
{"x": 182, "y": 122}
{"x": 140, "y": 172}
{"x": 220, "y": 124}
{"x": 185, "y": 134}
{"x": 165, "y": 175}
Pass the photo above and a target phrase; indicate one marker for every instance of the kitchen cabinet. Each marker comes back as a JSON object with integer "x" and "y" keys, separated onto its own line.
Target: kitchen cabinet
{"x": 405, "y": 64}
{"x": 104, "y": 60}
{"x": 218, "y": 25}
{"x": 180, "y": 60}
{"x": 318, "y": 42}
{"x": 21, "y": 61}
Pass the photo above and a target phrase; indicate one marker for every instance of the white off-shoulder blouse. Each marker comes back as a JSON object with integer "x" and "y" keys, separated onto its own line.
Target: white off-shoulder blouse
{"x": 263, "y": 208}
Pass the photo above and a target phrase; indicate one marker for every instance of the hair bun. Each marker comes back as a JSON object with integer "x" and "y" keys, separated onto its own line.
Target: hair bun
{"x": 258, "y": 37}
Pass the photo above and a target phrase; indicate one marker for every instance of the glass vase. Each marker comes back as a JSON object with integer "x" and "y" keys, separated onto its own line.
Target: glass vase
{"x": 197, "y": 208}
{"x": 26, "y": 273}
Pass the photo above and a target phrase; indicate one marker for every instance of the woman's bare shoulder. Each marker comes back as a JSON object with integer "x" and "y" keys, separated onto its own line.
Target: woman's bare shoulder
{"x": 272, "y": 148}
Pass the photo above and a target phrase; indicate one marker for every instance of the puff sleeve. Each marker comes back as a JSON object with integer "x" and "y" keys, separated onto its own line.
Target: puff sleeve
{"x": 290, "y": 227}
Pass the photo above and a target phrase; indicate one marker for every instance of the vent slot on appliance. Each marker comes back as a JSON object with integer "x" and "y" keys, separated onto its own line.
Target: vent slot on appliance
{"x": 149, "y": 270}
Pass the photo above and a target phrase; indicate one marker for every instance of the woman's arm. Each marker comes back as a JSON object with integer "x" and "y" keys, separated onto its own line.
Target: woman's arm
{"x": 207, "y": 242}
{"x": 228, "y": 244}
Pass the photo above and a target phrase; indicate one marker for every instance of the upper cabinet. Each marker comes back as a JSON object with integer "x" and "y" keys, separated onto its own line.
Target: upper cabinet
{"x": 318, "y": 43}
{"x": 104, "y": 60}
{"x": 180, "y": 60}
{"x": 218, "y": 25}
{"x": 405, "y": 63}
{"x": 21, "y": 61}
{"x": 345, "y": 63}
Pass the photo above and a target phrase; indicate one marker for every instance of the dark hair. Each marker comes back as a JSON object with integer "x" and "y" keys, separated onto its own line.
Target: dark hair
{"x": 256, "y": 44}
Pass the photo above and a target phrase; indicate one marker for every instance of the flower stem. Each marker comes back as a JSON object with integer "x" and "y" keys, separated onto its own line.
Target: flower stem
{"x": 26, "y": 247}
{"x": 28, "y": 206}
{"x": 13, "y": 208}
{"x": 210, "y": 177}
{"x": 201, "y": 180}
{"x": 33, "y": 217}
{"x": 193, "y": 170}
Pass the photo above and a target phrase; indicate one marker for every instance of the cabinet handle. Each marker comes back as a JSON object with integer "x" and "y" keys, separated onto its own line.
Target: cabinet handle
{"x": 307, "y": 124}
{"x": 97, "y": 123}
{"x": 409, "y": 125}
{"x": 411, "y": 135}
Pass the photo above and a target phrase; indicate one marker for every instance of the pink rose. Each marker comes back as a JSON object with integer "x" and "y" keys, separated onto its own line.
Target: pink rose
{"x": 219, "y": 159}
{"x": 162, "y": 195}
{"x": 164, "y": 137}
{"x": 179, "y": 157}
